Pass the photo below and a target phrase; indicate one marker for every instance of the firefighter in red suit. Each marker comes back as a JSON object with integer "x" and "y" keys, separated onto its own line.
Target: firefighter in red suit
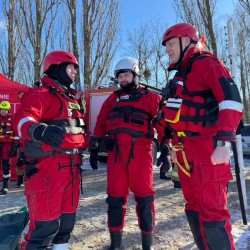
{"x": 202, "y": 106}
{"x": 126, "y": 117}
{"x": 50, "y": 124}
{"x": 8, "y": 143}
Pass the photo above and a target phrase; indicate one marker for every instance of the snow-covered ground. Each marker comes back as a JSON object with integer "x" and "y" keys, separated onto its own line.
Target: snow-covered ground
{"x": 172, "y": 231}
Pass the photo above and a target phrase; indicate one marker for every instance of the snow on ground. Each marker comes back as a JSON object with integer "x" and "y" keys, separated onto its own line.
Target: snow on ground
{"x": 172, "y": 231}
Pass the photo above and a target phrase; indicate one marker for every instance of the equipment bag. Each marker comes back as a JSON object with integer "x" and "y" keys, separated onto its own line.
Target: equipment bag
{"x": 11, "y": 228}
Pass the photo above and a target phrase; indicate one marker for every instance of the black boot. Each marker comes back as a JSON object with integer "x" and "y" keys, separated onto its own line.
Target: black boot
{"x": 116, "y": 240}
{"x": 194, "y": 223}
{"x": 5, "y": 186}
{"x": 216, "y": 235}
{"x": 164, "y": 177}
{"x": 19, "y": 181}
{"x": 147, "y": 241}
{"x": 3, "y": 191}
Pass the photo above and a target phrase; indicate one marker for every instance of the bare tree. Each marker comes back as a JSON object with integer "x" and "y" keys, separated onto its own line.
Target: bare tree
{"x": 241, "y": 24}
{"x": 159, "y": 60}
{"x": 246, "y": 5}
{"x": 71, "y": 4}
{"x": 9, "y": 39}
{"x": 141, "y": 47}
{"x": 100, "y": 30}
{"x": 145, "y": 45}
{"x": 203, "y": 18}
{"x": 38, "y": 19}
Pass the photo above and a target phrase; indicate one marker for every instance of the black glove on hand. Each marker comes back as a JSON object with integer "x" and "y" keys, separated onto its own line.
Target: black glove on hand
{"x": 14, "y": 150}
{"x": 94, "y": 149}
{"x": 21, "y": 160}
{"x": 51, "y": 134}
{"x": 93, "y": 158}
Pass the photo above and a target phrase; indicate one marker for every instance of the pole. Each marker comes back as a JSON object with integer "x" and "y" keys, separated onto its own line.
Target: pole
{"x": 237, "y": 147}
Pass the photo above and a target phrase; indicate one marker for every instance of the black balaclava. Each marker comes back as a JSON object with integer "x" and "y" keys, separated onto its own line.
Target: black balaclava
{"x": 58, "y": 72}
{"x": 130, "y": 87}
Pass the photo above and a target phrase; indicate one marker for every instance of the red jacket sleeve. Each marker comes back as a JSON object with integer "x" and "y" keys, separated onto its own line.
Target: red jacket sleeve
{"x": 217, "y": 78}
{"x": 34, "y": 102}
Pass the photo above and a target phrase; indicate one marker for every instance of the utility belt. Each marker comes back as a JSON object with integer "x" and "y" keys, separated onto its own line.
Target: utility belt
{"x": 40, "y": 154}
{"x": 112, "y": 144}
{"x": 30, "y": 163}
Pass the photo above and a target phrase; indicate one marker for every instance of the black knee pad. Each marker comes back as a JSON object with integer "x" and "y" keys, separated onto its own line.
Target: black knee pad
{"x": 145, "y": 213}
{"x": 216, "y": 235}
{"x": 6, "y": 167}
{"x": 67, "y": 222}
{"x": 43, "y": 234}
{"x": 115, "y": 210}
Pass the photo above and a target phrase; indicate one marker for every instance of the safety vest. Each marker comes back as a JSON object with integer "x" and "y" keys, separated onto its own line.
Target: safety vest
{"x": 6, "y": 131}
{"x": 70, "y": 114}
{"x": 129, "y": 115}
{"x": 187, "y": 112}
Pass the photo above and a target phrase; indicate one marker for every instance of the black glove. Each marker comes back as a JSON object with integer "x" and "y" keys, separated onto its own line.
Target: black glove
{"x": 109, "y": 143}
{"x": 51, "y": 134}
{"x": 94, "y": 148}
{"x": 14, "y": 150}
{"x": 21, "y": 160}
{"x": 93, "y": 158}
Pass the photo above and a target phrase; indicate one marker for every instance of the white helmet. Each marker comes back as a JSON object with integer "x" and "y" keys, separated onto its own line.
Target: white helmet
{"x": 125, "y": 65}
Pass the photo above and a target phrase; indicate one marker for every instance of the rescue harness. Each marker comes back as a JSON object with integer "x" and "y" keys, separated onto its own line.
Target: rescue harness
{"x": 127, "y": 117}
{"x": 187, "y": 112}
{"x": 72, "y": 120}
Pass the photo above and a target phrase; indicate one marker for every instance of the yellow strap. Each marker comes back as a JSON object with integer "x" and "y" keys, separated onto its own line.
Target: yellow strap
{"x": 186, "y": 171}
{"x": 177, "y": 118}
{"x": 181, "y": 133}
{"x": 9, "y": 137}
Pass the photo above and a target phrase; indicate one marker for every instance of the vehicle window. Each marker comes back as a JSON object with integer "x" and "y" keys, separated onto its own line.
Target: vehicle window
{"x": 246, "y": 131}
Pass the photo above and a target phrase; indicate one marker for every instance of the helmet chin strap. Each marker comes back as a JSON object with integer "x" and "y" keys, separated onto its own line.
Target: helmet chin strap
{"x": 177, "y": 65}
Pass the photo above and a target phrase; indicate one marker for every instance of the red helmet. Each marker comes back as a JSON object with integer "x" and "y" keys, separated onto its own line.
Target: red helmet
{"x": 180, "y": 30}
{"x": 58, "y": 57}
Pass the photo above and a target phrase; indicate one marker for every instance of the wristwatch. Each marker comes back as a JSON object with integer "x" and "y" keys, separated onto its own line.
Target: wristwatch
{"x": 222, "y": 143}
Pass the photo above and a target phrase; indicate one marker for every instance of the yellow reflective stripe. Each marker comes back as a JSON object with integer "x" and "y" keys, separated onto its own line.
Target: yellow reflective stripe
{"x": 177, "y": 118}
{"x": 181, "y": 133}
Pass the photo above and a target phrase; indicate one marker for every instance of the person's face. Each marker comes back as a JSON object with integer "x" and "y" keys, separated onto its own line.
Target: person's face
{"x": 125, "y": 78}
{"x": 173, "y": 48}
{"x": 71, "y": 71}
{"x": 4, "y": 112}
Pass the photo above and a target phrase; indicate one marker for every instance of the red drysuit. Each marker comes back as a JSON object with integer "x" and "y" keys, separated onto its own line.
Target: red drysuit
{"x": 203, "y": 104}
{"x": 7, "y": 141}
{"x": 53, "y": 175}
{"x": 127, "y": 120}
